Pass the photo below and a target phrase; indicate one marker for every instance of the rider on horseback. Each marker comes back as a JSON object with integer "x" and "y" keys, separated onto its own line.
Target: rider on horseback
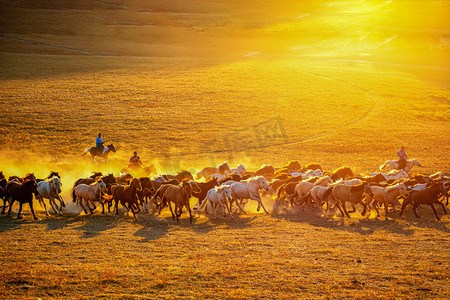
{"x": 135, "y": 161}
{"x": 99, "y": 143}
{"x": 402, "y": 158}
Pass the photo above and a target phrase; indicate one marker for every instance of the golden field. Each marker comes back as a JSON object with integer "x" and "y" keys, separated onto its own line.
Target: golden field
{"x": 190, "y": 84}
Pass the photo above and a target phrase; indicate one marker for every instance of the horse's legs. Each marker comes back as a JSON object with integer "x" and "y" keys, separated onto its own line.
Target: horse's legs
{"x": 260, "y": 204}
{"x": 80, "y": 200}
{"x": 441, "y": 204}
{"x": 189, "y": 210}
{"x": 345, "y": 209}
{"x": 228, "y": 209}
{"x": 170, "y": 208}
{"x": 415, "y": 210}
{"x": 31, "y": 208}
{"x": 42, "y": 202}
{"x": 434, "y": 210}
{"x": 5, "y": 199}
{"x": 20, "y": 210}
{"x": 239, "y": 205}
{"x": 365, "y": 207}
{"x": 11, "y": 202}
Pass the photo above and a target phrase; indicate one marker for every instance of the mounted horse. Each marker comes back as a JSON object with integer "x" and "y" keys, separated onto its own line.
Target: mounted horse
{"x": 94, "y": 151}
{"x": 393, "y": 165}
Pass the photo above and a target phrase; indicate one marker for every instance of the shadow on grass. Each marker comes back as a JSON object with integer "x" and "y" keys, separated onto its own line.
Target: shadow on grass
{"x": 365, "y": 225}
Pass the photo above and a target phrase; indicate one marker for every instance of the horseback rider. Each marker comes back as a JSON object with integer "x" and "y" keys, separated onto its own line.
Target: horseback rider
{"x": 99, "y": 143}
{"x": 402, "y": 158}
{"x": 135, "y": 161}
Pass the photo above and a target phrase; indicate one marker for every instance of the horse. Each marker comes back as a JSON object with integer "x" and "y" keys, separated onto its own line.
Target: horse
{"x": 50, "y": 190}
{"x": 88, "y": 180}
{"x": 3, "y": 183}
{"x": 393, "y": 165}
{"x": 218, "y": 196}
{"x": 94, "y": 151}
{"x": 248, "y": 189}
{"x": 22, "y": 192}
{"x": 146, "y": 191}
{"x": 28, "y": 177}
{"x": 387, "y": 195}
{"x": 265, "y": 170}
{"x": 303, "y": 187}
{"x": 342, "y": 193}
{"x": 429, "y": 195}
{"x": 204, "y": 188}
{"x": 124, "y": 178}
{"x": 89, "y": 193}
{"x": 232, "y": 176}
{"x": 180, "y": 176}
{"x": 180, "y": 196}
{"x": 342, "y": 173}
{"x": 293, "y": 165}
{"x": 128, "y": 195}
{"x": 52, "y": 174}
{"x": 239, "y": 169}
{"x": 396, "y": 175}
{"x": 206, "y": 172}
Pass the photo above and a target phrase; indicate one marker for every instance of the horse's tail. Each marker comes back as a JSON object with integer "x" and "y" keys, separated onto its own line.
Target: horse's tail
{"x": 280, "y": 191}
{"x": 74, "y": 197}
{"x": 86, "y": 151}
{"x": 383, "y": 166}
{"x": 205, "y": 201}
{"x": 198, "y": 175}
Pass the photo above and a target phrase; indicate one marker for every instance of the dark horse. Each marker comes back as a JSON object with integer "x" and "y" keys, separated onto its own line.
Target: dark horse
{"x": 429, "y": 195}
{"x": 128, "y": 194}
{"x": 22, "y": 192}
{"x": 94, "y": 151}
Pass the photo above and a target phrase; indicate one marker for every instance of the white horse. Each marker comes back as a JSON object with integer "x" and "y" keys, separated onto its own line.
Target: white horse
{"x": 239, "y": 169}
{"x": 387, "y": 195}
{"x": 303, "y": 187}
{"x": 206, "y": 172}
{"x": 89, "y": 193}
{"x": 308, "y": 174}
{"x": 396, "y": 175}
{"x": 393, "y": 164}
{"x": 248, "y": 189}
{"x": 94, "y": 151}
{"x": 218, "y": 196}
{"x": 50, "y": 190}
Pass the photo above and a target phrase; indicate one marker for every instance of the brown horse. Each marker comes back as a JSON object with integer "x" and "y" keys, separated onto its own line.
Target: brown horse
{"x": 342, "y": 173}
{"x": 180, "y": 176}
{"x": 204, "y": 188}
{"x": 351, "y": 193}
{"x": 127, "y": 195}
{"x": 180, "y": 196}
{"x": 429, "y": 195}
{"x": 22, "y": 192}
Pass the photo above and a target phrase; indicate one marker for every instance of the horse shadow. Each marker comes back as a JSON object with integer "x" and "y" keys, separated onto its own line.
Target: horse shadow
{"x": 10, "y": 223}
{"x": 357, "y": 224}
{"x": 366, "y": 225}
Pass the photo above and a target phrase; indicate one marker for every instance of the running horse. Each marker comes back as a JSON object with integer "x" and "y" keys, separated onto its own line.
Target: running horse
{"x": 94, "y": 151}
{"x": 393, "y": 164}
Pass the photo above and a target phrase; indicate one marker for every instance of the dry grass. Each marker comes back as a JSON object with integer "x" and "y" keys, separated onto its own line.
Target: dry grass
{"x": 190, "y": 84}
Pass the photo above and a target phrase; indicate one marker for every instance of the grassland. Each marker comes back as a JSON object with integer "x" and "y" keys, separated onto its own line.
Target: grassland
{"x": 191, "y": 84}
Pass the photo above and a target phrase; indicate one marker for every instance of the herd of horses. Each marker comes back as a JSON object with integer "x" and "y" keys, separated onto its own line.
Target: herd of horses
{"x": 217, "y": 189}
